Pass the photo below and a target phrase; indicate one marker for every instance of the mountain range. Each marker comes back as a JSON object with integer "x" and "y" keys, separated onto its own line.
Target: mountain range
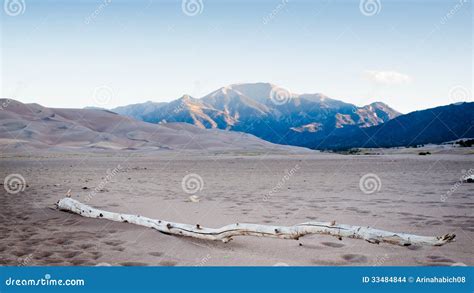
{"x": 264, "y": 110}
{"x": 435, "y": 125}
{"x": 258, "y": 116}
{"x": 309, "y": 120}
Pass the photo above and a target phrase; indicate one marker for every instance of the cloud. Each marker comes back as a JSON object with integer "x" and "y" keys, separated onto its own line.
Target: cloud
{"x": 387, "y": 77}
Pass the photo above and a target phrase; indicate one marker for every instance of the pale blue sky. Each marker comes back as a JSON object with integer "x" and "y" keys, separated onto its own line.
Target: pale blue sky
{"x": 410, "y": 54}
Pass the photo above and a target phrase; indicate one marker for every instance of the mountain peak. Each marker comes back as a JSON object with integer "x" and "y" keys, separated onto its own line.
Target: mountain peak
{"x": 378, "y": 104}
{"x": 254, "y": 107}
{"x": 253, "y": 85}
{"x": 186, "y": 97}
{"x": 260, "y": 91}
{"x": 383, "y": 107}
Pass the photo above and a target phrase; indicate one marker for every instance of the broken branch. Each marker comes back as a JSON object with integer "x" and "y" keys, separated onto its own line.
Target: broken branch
{"x": 226, "y": 233}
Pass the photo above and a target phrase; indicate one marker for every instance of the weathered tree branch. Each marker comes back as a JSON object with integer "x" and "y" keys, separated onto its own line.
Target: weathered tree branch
{"x": 226, "y": 233}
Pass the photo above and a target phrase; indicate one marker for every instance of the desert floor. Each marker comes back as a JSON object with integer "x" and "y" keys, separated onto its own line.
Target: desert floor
{"x": 248, "y": 187}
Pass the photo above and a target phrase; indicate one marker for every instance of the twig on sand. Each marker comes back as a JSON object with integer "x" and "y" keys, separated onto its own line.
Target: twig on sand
{"x": 226, "y": 233}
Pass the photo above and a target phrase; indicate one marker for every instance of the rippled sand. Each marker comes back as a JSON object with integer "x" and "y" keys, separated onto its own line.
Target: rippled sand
{"x": 414, "y": 197}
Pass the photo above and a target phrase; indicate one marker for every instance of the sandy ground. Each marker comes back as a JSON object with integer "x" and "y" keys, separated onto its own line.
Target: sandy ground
{"x": 236, "y": 188}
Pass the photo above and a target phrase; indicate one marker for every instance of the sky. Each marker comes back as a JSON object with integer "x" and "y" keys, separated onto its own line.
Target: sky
{"x": 411, "y": 55}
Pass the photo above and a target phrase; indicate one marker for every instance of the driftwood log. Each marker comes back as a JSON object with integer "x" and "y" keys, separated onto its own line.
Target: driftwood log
{"x": 226, "y": 233}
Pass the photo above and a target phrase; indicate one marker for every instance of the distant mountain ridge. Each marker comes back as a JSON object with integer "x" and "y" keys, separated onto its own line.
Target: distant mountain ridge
{"x": 435, "y": 125}
{"x": 264, "y": 110}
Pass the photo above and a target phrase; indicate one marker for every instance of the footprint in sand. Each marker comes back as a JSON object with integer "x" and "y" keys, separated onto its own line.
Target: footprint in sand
{"x": 86, "y": 246}
{"x": 33, "y": 242}
{"x": 53, "y": 261}
{"x": 62, "y": 241}
{"x": 96, "y": 255}
{"x": 168, "y": 263}
{"x": 113, "y": 242}
{"x": 436, "y": 258}
{"x": 20, "y": 253}
{"x": 118, "y": 248}
{"x": 80, "y": 262}
{"x": 43, "y": 254}
{"x": 354, "y": 258}
{"x": 434, "y": 223}
{"x": 414, "y": 247}
{"x": 333, "y": 244}
{"x": 70, "y": 254}
{"x": 133, "y": 264}
{"x": 157, "y": 253}
{"x": 28, "y": 229}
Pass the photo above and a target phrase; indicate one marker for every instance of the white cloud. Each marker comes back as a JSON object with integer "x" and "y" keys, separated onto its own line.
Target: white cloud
{"x": 387, "y": 77}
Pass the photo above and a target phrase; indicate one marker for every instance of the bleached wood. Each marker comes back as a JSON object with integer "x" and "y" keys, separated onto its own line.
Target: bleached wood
{"x": 226, "y": 233}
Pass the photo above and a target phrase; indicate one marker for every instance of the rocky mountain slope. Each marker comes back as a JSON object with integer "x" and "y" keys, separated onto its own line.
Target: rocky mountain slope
{"x": 265, "y": 110}
{"x": 435, "y": 125}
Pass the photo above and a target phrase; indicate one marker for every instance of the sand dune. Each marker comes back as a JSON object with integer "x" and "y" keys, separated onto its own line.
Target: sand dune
{"x": 24, "y": 126}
